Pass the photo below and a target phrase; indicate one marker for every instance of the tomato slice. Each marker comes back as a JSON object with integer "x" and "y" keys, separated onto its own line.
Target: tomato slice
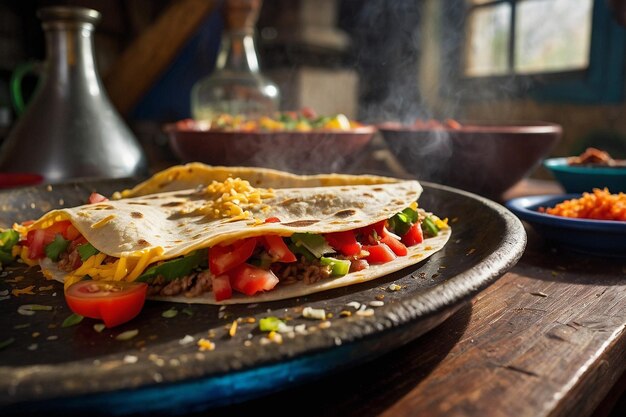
{"x": 38, "y": 239}
{"x": 225, "y": 258}
{"x": 344, "y": 242}
{"x": 272, "y": 220}
{"x": 221, "y": 287}
{"x": 413, "y": 236}
{"x": 277, "y": 248}
{"x": 249, "y": 279}
{"x": 115, "y": 302}
{"x": 96, "y": 198}
{"x": 379, "y": 254}
{"x": 374, "y": 232}
{"x": 395, "y": 245}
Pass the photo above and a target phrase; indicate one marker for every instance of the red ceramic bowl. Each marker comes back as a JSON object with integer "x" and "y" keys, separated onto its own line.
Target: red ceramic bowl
{"x": 301, "y": 152}
{"x": 480, "y": 157}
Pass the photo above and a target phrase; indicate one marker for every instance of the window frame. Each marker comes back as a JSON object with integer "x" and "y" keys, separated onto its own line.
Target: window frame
{"x": 602, "y": 82}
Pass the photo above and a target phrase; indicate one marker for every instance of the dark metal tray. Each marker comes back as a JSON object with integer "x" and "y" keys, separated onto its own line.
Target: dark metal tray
{"x": 75, "y": 369}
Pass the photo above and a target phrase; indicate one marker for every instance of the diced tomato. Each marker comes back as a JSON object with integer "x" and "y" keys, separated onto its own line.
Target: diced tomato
{"x": 38, "y": 239}
{"x": 59, "y": 227}
{"x": 278, "y": 250}
{"x": 96, "y": 198}
{"x": 72, "y": 233}
{"x": 394, "y": 244}
{"x": 308, "y": 112}
{"x": 344, "y": 242}
{"x": 225, "y": 258}
{"x": 373, "y": 232}
{"x": 36, "y": 242}
{"x": 115, "y": 302}
{"x": 221, "y": 287}
{"x": 272, "y": 220}
{"x": 379, "y": 254}
{"x": 249, "y": 279}
{"x": 413, "y": 236}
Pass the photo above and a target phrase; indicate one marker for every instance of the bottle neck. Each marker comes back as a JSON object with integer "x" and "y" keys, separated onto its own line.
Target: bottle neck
{"x": 69, "y": 49}
{"x": 238, "y": 52}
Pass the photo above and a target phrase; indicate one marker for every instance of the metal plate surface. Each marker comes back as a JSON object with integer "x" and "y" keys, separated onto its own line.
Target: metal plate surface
{"x": 75, "y": 369}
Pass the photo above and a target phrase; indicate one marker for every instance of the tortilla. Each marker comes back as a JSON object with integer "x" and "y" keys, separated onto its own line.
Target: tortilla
{"x": 148, "y": 228}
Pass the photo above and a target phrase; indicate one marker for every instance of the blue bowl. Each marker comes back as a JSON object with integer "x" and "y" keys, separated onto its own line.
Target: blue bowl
{"x": 578, "y": 179}
{"x": 596, "y": 237}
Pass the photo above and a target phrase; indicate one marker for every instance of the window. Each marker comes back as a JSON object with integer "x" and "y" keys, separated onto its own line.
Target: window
{"x": 553, "y": 50}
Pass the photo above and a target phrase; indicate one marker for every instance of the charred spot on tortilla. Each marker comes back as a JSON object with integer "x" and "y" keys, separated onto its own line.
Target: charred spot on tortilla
{"x": 102, "y": 207}
{"x": 137, "y": 203}
{"x": 301, "y": 223}
{"x": 196, "y": 237}
{"x": 173, "y": 204}
{"x": 377, "y": 189}
{"x": 143, "y": 242}
{"x": 345, "y": 213}
{"x": 368, "y": 195}
{"x": 136, "y": 215}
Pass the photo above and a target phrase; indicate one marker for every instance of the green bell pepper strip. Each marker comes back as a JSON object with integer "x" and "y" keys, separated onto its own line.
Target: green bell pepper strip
{"x": 86, "y": 251}
{"x": 56, "y": 247}
{"x": 339, "y": 267}
{"x": 176, "y": 268}
{"x": 316, "y": 244}
{"x": 430, "y": 227}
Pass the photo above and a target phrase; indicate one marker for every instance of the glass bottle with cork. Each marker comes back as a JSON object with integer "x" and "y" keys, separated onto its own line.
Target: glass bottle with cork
{"x": 236, "y": 86}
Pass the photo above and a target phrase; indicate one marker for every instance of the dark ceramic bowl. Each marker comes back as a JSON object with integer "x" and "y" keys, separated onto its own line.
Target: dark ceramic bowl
{"x": 483, "y": 158}
{"x": 302, "y": 152}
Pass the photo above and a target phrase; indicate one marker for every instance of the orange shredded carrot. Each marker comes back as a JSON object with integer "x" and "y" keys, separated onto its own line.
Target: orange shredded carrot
{"x": 597, "y": 205}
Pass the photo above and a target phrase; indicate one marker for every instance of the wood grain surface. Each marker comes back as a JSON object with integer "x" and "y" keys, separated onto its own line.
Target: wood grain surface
{"x": 547, "y": 339}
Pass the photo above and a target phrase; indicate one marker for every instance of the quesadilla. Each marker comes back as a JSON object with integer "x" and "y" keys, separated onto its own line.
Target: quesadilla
{"x": 217, "y": 235}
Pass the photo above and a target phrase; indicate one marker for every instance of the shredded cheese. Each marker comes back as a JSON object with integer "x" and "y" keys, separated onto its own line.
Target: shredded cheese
{"x": 124, "y": 268}
{"x": 232, "y": 198}
{"x": 103, "y": 222}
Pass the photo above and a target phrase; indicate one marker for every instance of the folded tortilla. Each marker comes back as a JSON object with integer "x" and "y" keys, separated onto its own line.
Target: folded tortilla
{"x": 195, "y": 206}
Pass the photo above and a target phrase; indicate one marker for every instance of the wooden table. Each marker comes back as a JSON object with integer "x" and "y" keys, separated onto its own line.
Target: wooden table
{"x": 546, "y": 339}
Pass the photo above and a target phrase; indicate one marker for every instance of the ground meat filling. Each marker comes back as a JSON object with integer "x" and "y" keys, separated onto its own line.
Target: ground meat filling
{"x": 191, "y": 285}
{"x": 303, "y": 270}
{"x": 198, "y": 283}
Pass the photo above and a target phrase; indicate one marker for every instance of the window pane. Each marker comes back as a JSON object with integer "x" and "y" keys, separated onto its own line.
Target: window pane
{"x": 552, "y": 35}
{"x": 486, "y": 50}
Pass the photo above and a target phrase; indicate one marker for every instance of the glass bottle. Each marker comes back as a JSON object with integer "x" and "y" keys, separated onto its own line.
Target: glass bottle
{"x": 236, "y": 86}
{"x": 70, "y": 129}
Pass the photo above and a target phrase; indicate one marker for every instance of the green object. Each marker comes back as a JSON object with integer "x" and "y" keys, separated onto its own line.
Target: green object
{"x": 401, "y": 222}
{"x": 5, "y": 258}
{"x": 86, "y": 251}
{"x": 263, "y": 260}
{"x": 56, "y": 247}
{"x": 6, "y": 343}
{"x": 188, "y": 311}
{"x": 72, "y": 320}
{"x": 430, "y": 227}
{"x": 270, "y": 324}
{"x": 8, "y": 239}
{"x": 175, "y": 268}
{"x": 316, "y": 244}
{"x": 339, "y": 267}
{"x": 99, "y": 327}
{"x": 171, "y": 313}
{"x": 300, "y": 250}
{"x": 22, "y": 70}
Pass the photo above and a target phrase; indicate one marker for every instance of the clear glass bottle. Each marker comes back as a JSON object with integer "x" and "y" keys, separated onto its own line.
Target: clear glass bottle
{"x": 236, "y": 86}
